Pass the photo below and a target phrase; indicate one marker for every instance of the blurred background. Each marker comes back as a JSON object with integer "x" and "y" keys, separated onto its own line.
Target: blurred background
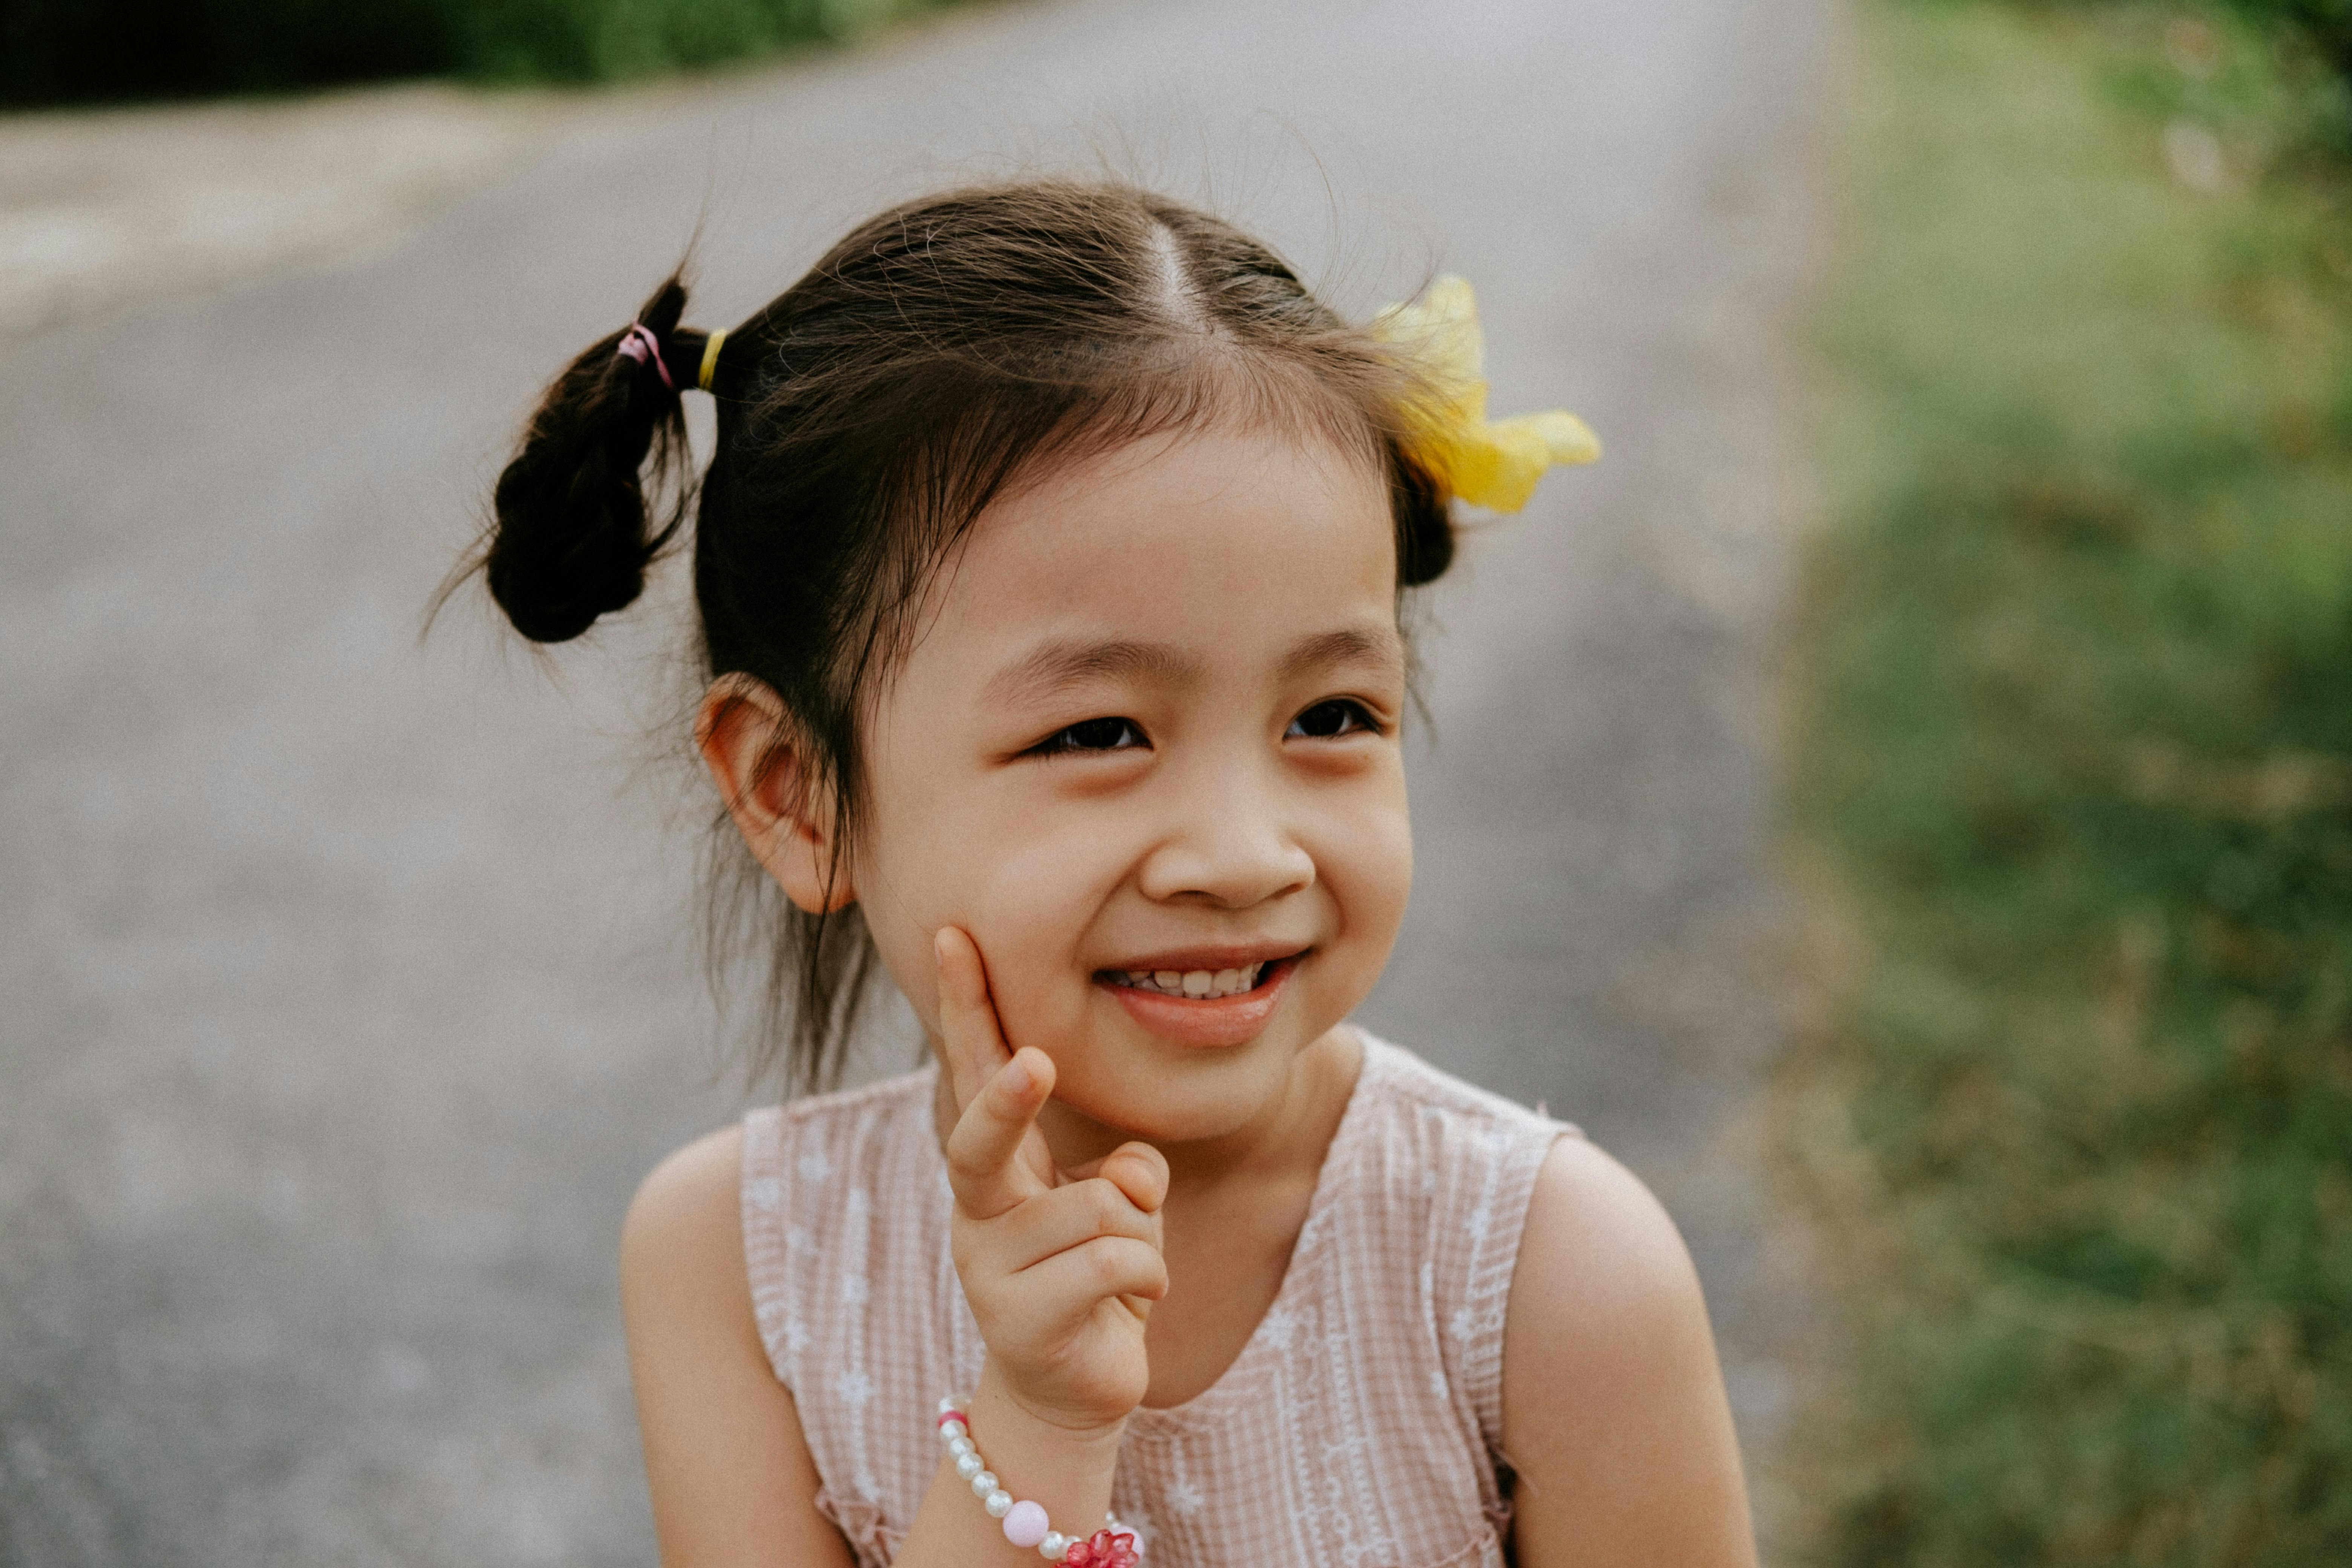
{"x": 1900, "y": 801}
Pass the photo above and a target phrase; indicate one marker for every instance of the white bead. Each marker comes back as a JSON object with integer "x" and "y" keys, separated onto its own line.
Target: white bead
{"x": 998, "y": 1503}
{"x": 983, "y": 1483}
{"x": 968, "y": 1464}
{"x": 961, "y": 1446}
{"x": 954, "y": 1431}
{"x": 1054, "y": 1546}
{"x": 948, "y": 1405}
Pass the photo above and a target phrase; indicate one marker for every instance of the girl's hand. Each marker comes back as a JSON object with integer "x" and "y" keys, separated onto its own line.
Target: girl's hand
{"x": 1061, "y": 1267}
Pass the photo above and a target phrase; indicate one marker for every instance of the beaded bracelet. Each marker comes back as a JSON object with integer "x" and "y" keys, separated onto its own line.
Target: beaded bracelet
{"x": 1114, "y": 1546}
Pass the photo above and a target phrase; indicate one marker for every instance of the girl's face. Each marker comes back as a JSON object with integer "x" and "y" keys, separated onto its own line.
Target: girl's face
{"x": 1147, "y": 742}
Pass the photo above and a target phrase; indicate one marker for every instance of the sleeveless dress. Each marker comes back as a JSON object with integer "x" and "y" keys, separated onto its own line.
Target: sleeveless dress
{"x": 1360, "y": 1426}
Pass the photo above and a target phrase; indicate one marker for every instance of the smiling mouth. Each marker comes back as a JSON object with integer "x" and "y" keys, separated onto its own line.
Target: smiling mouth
{"x": 1199, "y": 984}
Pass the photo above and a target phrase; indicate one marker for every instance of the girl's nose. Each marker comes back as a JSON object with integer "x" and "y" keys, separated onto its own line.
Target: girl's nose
{"x": 1228, "y": 846}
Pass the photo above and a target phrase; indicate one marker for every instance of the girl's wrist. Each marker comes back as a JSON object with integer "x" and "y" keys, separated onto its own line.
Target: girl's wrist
{"x": 1065, "y": 1470}
{"x": 1062, "y": 1471}
{"x": 1066, "y": 1517}
{"x": 997, "y": 1405}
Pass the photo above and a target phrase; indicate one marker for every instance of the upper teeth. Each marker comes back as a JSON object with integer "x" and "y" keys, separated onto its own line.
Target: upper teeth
{"x": 1197, "y": 981}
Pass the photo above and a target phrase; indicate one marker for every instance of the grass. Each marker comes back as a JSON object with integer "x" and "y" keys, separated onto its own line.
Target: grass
{"x": 2071, "y": 775}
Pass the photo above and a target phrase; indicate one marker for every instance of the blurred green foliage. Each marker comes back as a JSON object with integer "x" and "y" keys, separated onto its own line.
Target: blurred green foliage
{"x": 2328, "y": 23}
{"x": 60, "y": 51}
{"x": 2071, "y": 760}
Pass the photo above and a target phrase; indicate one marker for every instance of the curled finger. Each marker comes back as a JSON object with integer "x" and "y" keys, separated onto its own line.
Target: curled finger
{"x": 1140, "y": 1172}
{"x": 1055, "y": 1221}
{"x": 1079, "y": 1279}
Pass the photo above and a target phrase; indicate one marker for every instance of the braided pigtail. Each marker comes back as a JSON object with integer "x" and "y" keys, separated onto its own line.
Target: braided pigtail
{"x": 571, "y": 538}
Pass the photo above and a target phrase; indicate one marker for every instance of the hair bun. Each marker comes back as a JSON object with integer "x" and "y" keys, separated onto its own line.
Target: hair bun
{"x": 571, "y": 541}
{"x": 553, "y": 589}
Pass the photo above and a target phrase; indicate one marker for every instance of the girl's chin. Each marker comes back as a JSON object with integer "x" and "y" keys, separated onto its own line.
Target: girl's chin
{"x": 1205, "y": 1023}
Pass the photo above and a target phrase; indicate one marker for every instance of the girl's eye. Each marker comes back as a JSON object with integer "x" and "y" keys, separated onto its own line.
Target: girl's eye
{"x": 1095, "y": 735}
{"x": 1328, "y": 720}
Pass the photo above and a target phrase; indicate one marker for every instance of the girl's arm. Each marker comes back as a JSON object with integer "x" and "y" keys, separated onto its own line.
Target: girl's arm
{"x": 732, "y": 1483}
{"x": 1613, "y": 1410}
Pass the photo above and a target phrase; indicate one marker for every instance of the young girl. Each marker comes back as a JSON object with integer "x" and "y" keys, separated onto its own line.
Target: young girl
{"x": 1049, "y": 569}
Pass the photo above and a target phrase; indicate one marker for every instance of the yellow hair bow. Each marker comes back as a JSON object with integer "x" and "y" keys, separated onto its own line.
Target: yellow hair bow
{"x": 1489, "y": 465}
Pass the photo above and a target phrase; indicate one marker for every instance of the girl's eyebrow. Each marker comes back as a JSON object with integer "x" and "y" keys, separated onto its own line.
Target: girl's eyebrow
{"x": 1348, "y": 645}
{"x": 1053, "y": 668}
{"x": 1050, "y": 668}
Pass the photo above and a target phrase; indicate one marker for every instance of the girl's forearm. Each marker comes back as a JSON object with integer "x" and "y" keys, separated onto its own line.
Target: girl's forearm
{"x": 1068, "y": 1473}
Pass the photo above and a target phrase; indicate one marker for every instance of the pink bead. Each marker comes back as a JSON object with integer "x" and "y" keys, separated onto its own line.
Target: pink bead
{"x": 1024, "y": 1523}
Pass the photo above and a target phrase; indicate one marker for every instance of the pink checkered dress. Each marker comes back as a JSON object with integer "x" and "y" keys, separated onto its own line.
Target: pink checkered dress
{"x": 1360, "y": 1427}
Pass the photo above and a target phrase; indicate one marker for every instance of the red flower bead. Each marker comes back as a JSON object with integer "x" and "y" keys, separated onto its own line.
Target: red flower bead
{"x": 1104, "y": 1549}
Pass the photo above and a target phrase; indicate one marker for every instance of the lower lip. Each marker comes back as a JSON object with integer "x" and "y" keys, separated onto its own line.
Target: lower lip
{"x": 1206, "y": 1021}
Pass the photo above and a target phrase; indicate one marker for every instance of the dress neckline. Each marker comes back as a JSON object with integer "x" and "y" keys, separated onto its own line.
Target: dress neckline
{"x": 1272, "y": 1333}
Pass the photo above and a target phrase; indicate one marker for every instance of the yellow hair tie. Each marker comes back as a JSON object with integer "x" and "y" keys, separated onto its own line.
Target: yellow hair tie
{"x": 1490, "y": 464}
{"x": 710, "y": 360}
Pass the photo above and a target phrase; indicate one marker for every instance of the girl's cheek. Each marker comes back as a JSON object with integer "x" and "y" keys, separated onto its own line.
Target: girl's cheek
{"x": 915, "y": 876}
{"x": 1366, "y": 861}
{"x": 1029, "y": 911}
{"x": 1020, "y": 883}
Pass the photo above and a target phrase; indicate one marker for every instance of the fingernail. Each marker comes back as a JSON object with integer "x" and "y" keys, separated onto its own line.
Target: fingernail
{"x": 1016, "y": 1074}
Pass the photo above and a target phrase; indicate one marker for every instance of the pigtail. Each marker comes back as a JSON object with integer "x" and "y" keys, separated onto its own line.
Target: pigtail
{"x": 572, "y": 539}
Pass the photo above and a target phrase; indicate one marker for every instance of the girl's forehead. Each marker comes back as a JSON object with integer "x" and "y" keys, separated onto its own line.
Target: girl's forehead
{"x": 1198, "y": 501}
{"x": 1229, "y": 544}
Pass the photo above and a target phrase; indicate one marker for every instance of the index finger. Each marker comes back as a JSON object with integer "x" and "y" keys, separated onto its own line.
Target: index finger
{"x": 970, "y": 1038}
{"x": 983, "y": 1147}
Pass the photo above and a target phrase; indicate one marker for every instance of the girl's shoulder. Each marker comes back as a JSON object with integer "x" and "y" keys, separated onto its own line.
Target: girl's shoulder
{"x": 1581, "y": 1226}
{"x": 724, "y": 1451}
{"x": 844, "y": 1209}
{"x": 1604, "y": 1302}
{"x": 682, "y": 1218}
{"x": 833, "y": 1148}
{"x": 1576, "y": 1280}
{"x": 1398, "y": 1081}
{"x": 1454, "y": 1154}
{"x": 687, "y": 1217}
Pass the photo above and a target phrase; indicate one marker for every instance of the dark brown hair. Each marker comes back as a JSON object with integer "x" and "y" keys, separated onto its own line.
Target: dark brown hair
{"x": 866, "y": 417}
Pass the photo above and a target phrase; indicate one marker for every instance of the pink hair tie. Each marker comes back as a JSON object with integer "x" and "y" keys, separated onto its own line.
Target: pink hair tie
{"x": 640, "y": 345}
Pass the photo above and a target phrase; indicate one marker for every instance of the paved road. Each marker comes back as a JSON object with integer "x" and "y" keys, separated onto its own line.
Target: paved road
{"x": 346, "y": 984}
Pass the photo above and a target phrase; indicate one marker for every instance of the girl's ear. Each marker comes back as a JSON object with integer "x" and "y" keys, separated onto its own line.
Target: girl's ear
{"x": 779, "y": 806}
